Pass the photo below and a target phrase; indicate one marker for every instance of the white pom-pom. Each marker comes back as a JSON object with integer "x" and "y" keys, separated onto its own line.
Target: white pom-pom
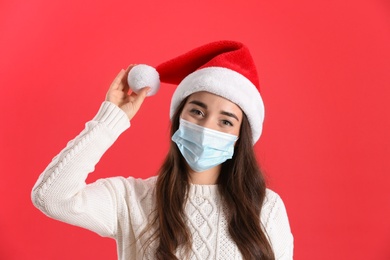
{"x": 141, "y": 76}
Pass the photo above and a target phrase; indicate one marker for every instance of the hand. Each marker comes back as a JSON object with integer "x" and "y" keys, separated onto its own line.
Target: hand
{"x": 118, "y": 93}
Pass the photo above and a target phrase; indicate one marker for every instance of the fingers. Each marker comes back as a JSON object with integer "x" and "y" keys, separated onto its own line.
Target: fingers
{"x": 136, "y": 100}
{"x": 139, "y": 98}
{"x": 118, "y": 94}
{"x": 124, "y": 84}
{"x": 120, "y": 81}
{"x": 115, "y": 85}
{"x": 124, "y": 79}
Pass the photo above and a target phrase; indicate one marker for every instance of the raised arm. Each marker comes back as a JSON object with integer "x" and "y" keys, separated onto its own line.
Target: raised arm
{"x": 61, "y": 192}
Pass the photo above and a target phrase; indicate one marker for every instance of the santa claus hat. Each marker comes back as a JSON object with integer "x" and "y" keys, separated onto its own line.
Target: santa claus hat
{"x": 224, "y": 68}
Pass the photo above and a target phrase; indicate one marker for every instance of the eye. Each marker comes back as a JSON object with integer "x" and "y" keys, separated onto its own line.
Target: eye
{"x": 196, "y": 112}
{"x": 227, "y": 122}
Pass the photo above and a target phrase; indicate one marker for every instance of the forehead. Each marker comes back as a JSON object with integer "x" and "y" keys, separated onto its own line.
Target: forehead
{"x": 214, "y": 101}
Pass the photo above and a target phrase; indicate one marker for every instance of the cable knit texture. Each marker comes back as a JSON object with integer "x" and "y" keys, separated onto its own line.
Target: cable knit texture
{"x": 121, "y": 207}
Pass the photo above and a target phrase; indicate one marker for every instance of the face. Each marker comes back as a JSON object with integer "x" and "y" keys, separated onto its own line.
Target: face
{"x": 214, "y": 112}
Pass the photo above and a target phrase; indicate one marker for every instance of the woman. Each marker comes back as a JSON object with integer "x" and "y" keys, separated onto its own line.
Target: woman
{"x": 209, "y": 200}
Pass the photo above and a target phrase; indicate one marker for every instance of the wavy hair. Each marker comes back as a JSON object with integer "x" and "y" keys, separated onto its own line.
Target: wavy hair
{"x": 241, "y": 184}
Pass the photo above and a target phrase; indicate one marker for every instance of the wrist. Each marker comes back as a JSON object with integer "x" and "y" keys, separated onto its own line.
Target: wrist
{"x": 113, "y": 117}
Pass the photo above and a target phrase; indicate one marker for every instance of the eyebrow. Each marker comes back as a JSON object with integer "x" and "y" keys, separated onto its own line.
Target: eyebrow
{"x": 203, "y": 105}
{"x": 230, "y": 115}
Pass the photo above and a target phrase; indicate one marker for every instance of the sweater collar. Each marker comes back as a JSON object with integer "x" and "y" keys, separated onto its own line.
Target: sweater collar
{"x": 203, "y": 190}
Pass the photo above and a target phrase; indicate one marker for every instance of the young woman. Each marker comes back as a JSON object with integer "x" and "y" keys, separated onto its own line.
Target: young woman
{"x": 209, "y": 200}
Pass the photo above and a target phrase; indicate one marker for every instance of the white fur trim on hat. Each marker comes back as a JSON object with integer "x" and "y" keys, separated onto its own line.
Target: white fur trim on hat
{"x": 228, "y": 84}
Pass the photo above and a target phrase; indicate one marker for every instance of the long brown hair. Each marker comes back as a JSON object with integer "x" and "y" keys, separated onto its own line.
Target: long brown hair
{"x": 241, "y": 185}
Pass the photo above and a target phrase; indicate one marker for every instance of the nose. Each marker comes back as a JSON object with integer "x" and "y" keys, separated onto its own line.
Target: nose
{"x": 209, "y": 123}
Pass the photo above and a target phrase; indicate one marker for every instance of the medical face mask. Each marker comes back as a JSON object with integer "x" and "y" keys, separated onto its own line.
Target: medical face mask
{"x": 203, "y": 148}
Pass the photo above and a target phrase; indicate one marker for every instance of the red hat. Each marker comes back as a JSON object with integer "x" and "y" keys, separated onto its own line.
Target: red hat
{"x": 224, "y": 68}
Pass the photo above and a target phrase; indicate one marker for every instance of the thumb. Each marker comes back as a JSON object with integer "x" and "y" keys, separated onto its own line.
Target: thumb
{"x": 140, "y": 97}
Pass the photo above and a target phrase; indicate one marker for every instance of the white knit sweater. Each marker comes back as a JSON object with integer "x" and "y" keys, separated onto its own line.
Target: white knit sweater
{"x": 121, "y": 207}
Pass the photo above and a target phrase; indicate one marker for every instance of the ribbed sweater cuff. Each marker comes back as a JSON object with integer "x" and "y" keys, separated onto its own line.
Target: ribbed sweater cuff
{"x": 113, "y": 117}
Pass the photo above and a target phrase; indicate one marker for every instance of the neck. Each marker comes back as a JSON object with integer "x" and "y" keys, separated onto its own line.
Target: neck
{"x": 208, "y": 177}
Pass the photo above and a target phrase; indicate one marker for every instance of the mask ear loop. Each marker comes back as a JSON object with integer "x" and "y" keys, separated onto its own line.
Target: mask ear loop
{"x": 238, "y": 137}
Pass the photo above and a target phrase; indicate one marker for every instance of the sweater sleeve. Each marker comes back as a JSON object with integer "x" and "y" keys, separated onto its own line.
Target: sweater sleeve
{"x": 277, "y": 226}
{"x": 61, "y": 191}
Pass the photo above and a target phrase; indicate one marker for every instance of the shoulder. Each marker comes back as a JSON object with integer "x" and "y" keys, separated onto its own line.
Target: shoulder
{"x": 273, "y": 210}
{"x": 142, "y": 188}
{"x": 130, "y": 186}
{"x": 275, "y": 222}
{"x": 142, "y": 183}
{"x": 132, "y": 194}
{"x": 272, "y": 202}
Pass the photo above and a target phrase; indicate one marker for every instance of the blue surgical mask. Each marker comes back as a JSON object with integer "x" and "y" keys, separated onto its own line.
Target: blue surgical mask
{"x": 203, "y": 148}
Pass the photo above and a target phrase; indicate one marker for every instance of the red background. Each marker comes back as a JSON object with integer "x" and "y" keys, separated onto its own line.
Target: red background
{"x": 325, "y": 74}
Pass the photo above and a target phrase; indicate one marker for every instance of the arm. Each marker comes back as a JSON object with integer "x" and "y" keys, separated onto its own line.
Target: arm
{"x": 61, "y": 191}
